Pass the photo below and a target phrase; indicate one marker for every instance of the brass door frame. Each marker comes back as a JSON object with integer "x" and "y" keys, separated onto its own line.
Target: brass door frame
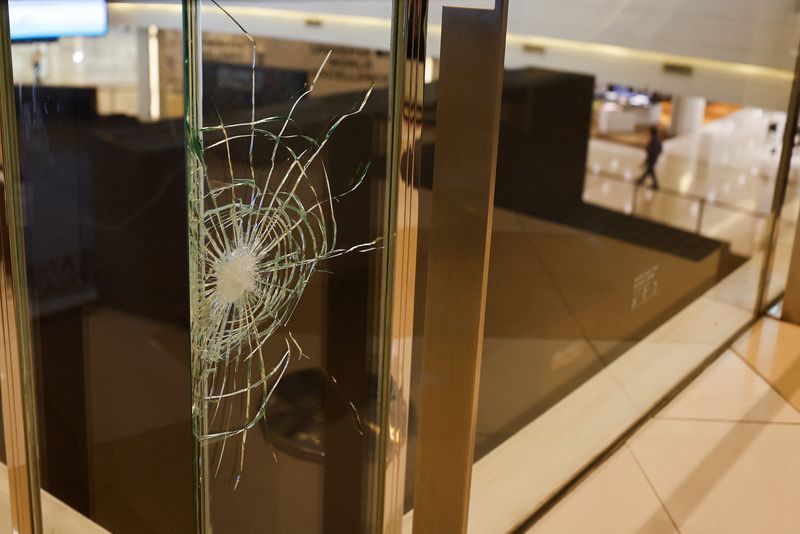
{"x": 791, "y": 303}
{"x": 16, "y": 365}
{"x": 465, "y": 164}
{"x": 792, "y": 292}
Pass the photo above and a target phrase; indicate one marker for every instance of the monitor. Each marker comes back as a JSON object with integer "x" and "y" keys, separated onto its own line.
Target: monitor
{"x": 50, "y": 19}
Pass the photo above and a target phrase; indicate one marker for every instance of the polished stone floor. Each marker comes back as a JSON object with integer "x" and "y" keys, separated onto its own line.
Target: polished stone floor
{"x": 722, "y": 458}
{"x": 524, "y": 471}
{"x": 718, "y": 182}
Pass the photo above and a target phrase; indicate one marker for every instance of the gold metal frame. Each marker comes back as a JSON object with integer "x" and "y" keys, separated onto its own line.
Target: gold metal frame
{"x": 791, "y": 303}
{"x": 792, "y": 299}
{"x": 465, "y": 165}
{"x": 16, "y": 364}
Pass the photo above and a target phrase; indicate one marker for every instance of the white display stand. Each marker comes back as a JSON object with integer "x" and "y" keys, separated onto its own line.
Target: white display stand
{"x": 615, "y": 118}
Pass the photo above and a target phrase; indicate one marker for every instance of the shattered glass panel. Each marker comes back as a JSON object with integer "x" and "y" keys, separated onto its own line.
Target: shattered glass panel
{"x": 286, "y": 237}
{"x": 262, "y": 239}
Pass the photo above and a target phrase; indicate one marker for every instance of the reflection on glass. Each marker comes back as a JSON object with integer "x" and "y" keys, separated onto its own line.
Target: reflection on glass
{"x": 104, "y": 203}
{"x": 263, "y": 234}
{"x": 599, "y": 282}
{"x": 290, "y": 165}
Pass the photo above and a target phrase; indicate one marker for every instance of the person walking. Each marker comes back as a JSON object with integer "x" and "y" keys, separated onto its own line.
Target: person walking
{"x": 654, "y": 148}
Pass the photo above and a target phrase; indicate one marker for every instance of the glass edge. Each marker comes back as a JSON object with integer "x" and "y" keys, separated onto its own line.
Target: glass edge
{"x": 18, "y": 384}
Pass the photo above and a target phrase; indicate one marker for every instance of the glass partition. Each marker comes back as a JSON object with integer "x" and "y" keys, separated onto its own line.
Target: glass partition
{"x": 212, "y": 353}
{"x": 635, "y": 178}
{"x": 288, "y": 242}
{"x": 102, "y": 171}
{"x": 219, "y": 217}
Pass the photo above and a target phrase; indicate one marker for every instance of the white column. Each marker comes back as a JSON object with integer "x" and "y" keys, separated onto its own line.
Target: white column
{"x": 688, "y": 113}
{"x": 148, "y": 74}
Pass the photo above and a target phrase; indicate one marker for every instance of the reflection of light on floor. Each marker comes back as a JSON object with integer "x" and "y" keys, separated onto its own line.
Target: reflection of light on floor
{"x": 596, "y": 168}
{"x": 685, "y": 182}
{"x": 714, "y": 163}
{"x": 648, "y": 195}
{"x": 729, "y": 228}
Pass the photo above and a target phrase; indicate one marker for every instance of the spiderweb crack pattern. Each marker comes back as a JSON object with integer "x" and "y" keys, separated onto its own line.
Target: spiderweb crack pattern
{"x": 261, "y": 235}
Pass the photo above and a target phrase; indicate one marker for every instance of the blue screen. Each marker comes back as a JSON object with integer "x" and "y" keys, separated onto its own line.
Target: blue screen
{"x": 50, "y": 19}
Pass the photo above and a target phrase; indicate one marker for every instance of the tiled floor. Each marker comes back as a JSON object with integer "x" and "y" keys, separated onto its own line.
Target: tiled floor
{"x": 722, "y": 458}
{"x": 704, "y": 176}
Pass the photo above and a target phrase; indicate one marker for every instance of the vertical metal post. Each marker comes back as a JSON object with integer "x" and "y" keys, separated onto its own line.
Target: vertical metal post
{"x": 467, "y": 126}
{"x": 16, "y": 376}
{"x": 193, "y": 121}
{"x": 779, "y": 196}
{"x": 791, "y": 300}
{"x": 402, "y": 199}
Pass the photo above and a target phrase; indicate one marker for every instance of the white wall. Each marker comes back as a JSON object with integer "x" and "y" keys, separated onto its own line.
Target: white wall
{"x": 751, "y": 42}
{"x": 108, "y": 63}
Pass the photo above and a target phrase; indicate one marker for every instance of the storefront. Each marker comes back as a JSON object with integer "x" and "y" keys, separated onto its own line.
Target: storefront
{"x": 367, "y": 267}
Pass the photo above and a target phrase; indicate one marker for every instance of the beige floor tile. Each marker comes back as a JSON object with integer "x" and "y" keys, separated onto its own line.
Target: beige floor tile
{"x": 651, "y": 369}
{"x": 523, "y": 377}
{"x": 723, "y": 477}
{"x": 730, "y": 390}
{"x": 615, "y": 499}
{"x": 654, "y": 366}
{"x": 772, "y": 348}
{"x": 517, "y": 477}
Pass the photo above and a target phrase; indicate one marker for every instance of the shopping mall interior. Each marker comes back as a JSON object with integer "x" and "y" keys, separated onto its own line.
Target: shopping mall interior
{"x": 636, "y": 364}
